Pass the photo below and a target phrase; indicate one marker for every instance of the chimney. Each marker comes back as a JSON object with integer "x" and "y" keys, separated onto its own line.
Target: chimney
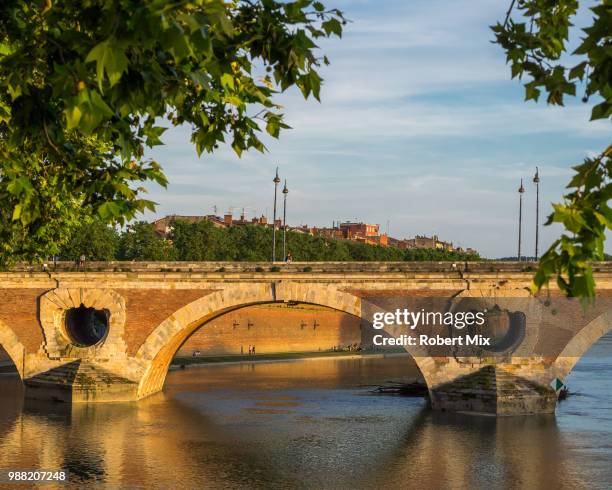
{"x": 227, "y": 219}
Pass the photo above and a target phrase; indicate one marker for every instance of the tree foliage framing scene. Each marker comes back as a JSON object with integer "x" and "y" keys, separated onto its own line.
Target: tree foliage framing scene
{"x": 84, "y": 84}
{"x": 534, "y": 36}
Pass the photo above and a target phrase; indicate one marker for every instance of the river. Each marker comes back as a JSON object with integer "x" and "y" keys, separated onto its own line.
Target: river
{"x": 312, "y": 424}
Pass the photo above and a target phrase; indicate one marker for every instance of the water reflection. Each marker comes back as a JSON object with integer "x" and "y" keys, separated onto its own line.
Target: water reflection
{"x": 310, "y": 424}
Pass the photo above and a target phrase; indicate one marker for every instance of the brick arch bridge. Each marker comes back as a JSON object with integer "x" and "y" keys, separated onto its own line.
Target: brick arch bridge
{"x": 153, "y": 308}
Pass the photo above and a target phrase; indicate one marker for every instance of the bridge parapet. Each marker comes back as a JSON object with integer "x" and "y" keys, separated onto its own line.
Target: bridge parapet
{"x": 478, "y": 267}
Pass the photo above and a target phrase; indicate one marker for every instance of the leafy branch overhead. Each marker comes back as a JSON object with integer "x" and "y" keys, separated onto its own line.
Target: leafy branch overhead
{"x": 85, "y": 84}
{"x": 534, "y": 36}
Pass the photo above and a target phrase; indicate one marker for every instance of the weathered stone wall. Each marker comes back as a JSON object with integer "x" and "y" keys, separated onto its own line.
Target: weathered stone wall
{"x": 19, "y": 311}
{"x": 275, "y": 328}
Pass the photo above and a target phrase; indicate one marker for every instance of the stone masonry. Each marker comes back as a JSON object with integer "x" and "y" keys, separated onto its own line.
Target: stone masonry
{"x": 154, "y": 308}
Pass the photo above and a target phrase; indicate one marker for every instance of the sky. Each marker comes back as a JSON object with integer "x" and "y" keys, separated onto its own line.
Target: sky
{"x": 420, "y": 129}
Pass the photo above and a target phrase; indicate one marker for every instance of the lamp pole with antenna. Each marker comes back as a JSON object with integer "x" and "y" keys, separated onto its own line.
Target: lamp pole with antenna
{"x": 521, "y": 192}
{"x": 276, "y": 181}
{"x": 536, "y": 180}
{"x": 285, "y": 192}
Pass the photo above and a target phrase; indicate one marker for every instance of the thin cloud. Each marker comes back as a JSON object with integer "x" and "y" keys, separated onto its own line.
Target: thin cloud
{"x": 420, "y": 125}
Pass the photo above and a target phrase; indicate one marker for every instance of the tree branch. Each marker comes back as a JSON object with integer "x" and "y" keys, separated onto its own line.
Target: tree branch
{"x": 509, "y": 12}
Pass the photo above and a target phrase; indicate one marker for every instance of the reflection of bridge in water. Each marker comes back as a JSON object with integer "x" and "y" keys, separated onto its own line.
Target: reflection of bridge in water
{"x": 263, "y": 425}
{"x": 109, "y": 335}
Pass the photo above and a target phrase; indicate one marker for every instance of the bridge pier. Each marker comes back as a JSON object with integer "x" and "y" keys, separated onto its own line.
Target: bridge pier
{"x": 489, "y": 386}
{"x": 79, "y": 381}
{"x": 476, "y": 388}
{"x": 493, "y": 391}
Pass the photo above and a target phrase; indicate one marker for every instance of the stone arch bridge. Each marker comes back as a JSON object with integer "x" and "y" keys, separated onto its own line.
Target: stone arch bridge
{"x": 146, "y": 311}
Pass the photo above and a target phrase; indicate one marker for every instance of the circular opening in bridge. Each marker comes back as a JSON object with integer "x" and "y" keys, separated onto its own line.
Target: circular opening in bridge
{"x": 86, "y": 326}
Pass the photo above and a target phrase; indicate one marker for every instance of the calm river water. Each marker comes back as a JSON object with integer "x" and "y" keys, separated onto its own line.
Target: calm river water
{"x": 312, "y": 424}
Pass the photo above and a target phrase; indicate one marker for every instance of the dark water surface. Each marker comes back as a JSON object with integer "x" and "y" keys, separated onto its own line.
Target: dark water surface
{"x": 312, "y": 424}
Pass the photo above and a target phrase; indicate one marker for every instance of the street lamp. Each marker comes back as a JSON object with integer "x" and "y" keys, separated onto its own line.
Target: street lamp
{"x": 276, "y": 181}
{"x": 521, "y": 192}
{"x": 285, "y": 192}
{"x": 536, "y": 180}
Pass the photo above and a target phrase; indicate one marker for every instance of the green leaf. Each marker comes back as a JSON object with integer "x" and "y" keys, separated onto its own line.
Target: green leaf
{"x": 227, "y": 81}
{"x": 577, "y": 71}
{"x": 73, "y": 116}
{"x": 332, "y": 26}
{"x": 531, "y": 92}
{"x": 601, "y": 111}
{"x": 17, "y": 212}
{"x": 110, "y": 58}
{"x": 108, "y": 211}
{"x": 98, "y": 104}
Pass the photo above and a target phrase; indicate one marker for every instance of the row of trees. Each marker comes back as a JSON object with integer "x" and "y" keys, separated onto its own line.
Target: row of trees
{"x": 203, "y": 241}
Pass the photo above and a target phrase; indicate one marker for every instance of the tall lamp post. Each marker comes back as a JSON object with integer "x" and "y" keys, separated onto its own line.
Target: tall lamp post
{"x": 285, "y": 192}
{"x": 536, "y": 180}
{"x": 276, "y": 181}
{"x": 521, "y": 192}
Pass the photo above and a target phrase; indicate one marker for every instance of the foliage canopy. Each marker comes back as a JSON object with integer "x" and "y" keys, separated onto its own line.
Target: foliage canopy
{"x": 84, "y": 85}
{"x": 202, "y": 241}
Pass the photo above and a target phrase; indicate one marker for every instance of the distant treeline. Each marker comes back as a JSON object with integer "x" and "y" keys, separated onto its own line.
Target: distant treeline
{"x": 205, "y": 242}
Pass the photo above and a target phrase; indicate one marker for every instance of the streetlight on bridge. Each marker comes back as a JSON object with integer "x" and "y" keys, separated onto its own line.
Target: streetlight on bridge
{"x": 285, "y": 192}
{"x": 536, "y": 181}
{"x": 276, "y": 181}
{"x": 521, "y": 191}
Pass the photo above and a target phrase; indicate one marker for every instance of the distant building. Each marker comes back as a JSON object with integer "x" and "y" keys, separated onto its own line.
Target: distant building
{"x": 354, "y": 231}
{"x": 426, "y": 242}
{"x": 327, "y": 232}
{"x": 163, "y": 226}
{"x": 357, "y": 232}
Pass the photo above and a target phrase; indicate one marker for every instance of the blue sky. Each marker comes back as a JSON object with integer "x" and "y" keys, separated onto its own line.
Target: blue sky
{"x": 420, "y": 125}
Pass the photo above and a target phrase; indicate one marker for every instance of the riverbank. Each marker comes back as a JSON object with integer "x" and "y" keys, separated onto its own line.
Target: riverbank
{"x": 184, "y": 362}
{"x": 180, "y": 362}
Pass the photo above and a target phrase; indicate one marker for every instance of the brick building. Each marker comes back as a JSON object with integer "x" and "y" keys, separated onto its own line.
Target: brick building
{"x": 421, "y": 241}
{"x": 349, "y": 230}
{"x": 354, "y": 231}
{"x": 359, "y": 230}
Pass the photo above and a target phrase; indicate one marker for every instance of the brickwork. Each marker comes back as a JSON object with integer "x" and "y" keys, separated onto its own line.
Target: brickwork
{"x": 275, "y": 328}
{"x": 148, "y": 308}
{"x": 19, "y": 311}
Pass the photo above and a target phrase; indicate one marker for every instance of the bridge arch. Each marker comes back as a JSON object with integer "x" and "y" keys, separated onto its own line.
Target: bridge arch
{"x": 161, "y": 345}
{"x": 581, "y": 343}
{"x": 13, "y": 347}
